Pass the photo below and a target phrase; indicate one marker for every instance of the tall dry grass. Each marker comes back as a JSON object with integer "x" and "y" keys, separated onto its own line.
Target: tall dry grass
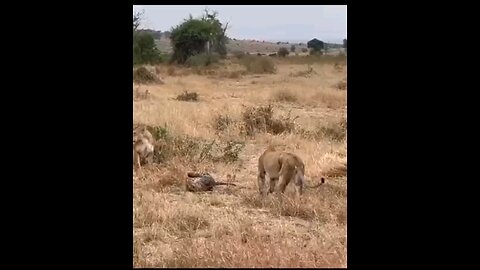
{"x": 233, "y": 226}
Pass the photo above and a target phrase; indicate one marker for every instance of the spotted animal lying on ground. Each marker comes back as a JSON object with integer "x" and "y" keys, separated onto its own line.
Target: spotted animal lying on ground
{"x": 198, "y": 182}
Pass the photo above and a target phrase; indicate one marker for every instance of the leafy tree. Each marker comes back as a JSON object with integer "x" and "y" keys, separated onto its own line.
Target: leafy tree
{"x": 316, "y": 45}
{"x": 144, "y": 48}
{"x": 194, "y": 36}
{"x": 283, "y": 52}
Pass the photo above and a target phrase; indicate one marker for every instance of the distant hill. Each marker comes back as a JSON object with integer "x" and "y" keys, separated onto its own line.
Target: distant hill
{"x": 250, "y": 46}
{"x": 162, "y": 40}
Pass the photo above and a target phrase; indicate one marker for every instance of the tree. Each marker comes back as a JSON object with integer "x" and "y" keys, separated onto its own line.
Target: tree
{"x": 144, "y": 48}
{"x": 137, "y": 17}
{"x": 292, "y": 48}
{"x": 194, "y": 36}
{"x": 218, "y": 38}
{"x": 345, "y": 44}
{"x": 283, "y": 52}
{"x": 316, "y": 45}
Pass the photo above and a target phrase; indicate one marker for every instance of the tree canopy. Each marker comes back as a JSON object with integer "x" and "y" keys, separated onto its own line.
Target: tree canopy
{"x": 315, "y": 44}
{"x": 144, "y": 48}
{"x": 193, "y": 36}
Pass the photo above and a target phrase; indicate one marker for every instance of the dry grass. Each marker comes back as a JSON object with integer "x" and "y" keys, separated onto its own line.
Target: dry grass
{"x": 235, "y": 74}
{"x": 332, "y": 131}
{"x": 285, "y": 95}
{"x": 342, "y": 85}
{"x": 314, "y": 59}
{"x": 260, "y": 119}
{"x": 258, "y": 64}
{"x": 304, "y": 73}
{"x": 143, "y": 75}
{"x": 233, "y": 226}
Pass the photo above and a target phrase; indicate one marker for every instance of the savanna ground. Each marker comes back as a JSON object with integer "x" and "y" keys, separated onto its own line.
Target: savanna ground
{"x": 218, "y": 131}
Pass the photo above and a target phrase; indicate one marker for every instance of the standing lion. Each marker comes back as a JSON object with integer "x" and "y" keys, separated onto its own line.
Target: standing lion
{"x": 278, "y": 169}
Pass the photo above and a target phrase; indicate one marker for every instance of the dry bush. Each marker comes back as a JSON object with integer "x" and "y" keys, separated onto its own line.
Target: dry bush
{"x": 260, "y": 119}
{"x": 231, "y": 151}
{"x": 304, "y": 73}
{"x": 258, "y": 64}
{"x": 200, "y": 70}
{"x": 238, "y": 54}
{"x": 221, "y": 122}
{"x": 332, "y": 99}
{"x": 339, "y": 67}
{"x": 193, "y": 149}
{"x": 186, "y": 96}
{"x": 342, "y": 85}
{"x": 171, "y": 71}
{"x": 142, "y": 75}
{"x": 335, "y": 131}
{"x": 158, "y": 70}
{"x": 285, "y": 96}
{"x": 139, "y": 95}
{"x": 235, "y": 74}
{"x": 181, "y": 146}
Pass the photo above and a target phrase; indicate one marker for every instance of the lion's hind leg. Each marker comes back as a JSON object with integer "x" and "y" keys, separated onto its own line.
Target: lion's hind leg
{"x": 299, "y": 179}
{"x": 273, "y": 183}
{"x": 286, "y": 175}
{"x": 261, "y": 182}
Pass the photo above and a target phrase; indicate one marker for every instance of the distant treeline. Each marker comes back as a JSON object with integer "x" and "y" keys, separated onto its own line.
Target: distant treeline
{"x": 159, "y": 34}
{"x": 156, "y": 34}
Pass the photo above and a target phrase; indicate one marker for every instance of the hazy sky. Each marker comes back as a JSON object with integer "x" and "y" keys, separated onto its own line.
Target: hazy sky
{"x": 272, "y": 23}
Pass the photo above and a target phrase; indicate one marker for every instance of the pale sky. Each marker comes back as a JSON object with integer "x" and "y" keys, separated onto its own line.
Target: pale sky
{"x": 269, "y": 23}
